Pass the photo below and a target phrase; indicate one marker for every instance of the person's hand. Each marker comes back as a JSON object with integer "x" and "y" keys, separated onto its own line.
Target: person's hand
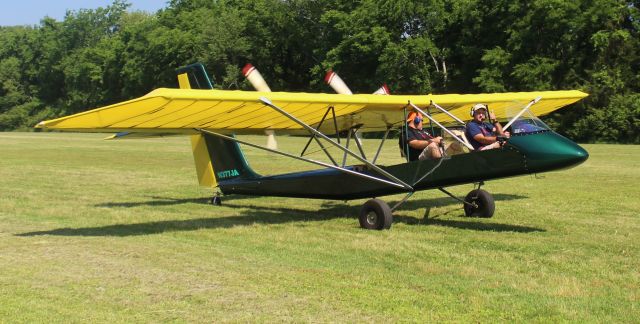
{"x": 438, "y": 139}
{"x": 492, "y": 116}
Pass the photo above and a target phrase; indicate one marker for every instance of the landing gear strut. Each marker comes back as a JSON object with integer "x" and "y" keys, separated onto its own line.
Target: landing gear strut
{"x": 216, "y": 199}
{"x": 477, "y": 203}
{"x": 375, "y": 214}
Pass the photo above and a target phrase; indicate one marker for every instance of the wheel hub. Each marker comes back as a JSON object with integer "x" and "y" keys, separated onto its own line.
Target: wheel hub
{"x": 372, "y": 217}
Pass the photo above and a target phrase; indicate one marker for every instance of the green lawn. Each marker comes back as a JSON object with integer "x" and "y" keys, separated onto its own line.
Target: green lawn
{"x": 94, "y": 230}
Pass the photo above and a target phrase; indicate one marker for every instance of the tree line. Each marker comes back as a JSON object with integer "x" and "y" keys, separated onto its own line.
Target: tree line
{"x": 97, "y": 57}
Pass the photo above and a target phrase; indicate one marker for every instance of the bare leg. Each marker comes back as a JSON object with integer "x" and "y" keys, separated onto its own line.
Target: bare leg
{"x": 432, "y": 151}
{"x": 491, "y": 146}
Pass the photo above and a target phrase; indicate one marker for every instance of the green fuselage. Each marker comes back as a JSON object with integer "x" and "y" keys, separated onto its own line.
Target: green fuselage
{"x": 523, "y": 154}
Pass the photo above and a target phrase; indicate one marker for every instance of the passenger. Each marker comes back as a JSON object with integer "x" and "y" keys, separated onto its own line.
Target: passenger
{"x": 421, "y": 144}
{"x": 482, "y": 135}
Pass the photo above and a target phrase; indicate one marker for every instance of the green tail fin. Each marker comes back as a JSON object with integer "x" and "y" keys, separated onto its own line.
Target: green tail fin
{"x": 227, "y": 159}
{"x": 197, "y": 76}
{"x": 218, "y": 157}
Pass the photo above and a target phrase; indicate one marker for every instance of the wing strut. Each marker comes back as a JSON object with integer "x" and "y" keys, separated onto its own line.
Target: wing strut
{"x": 447, "y": 113}
{"x": 381, "y": 143}
{"x": 376, "y": 168}
{"x": 441, "y": 126}
{"x": 345, "y": 170}
{"x": 313, "y": 136}
{"x": 354, "y": 130}
{"x": 344, "y": 157}
{"x": 531, "y": 103}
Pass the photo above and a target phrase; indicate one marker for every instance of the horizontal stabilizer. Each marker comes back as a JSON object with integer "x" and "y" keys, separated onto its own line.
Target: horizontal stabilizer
{"x": 130, "y": 135}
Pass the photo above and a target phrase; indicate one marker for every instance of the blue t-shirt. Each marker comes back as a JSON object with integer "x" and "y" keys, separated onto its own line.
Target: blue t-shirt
{"x": 474, "y": 128}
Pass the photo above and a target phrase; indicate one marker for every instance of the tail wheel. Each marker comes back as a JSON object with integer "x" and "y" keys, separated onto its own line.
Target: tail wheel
{"x": 375, "y": 214}
{"x": 480, "y": 204}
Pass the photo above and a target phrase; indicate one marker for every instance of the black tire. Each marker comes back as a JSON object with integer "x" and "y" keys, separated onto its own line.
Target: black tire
{"x": 375, "y": 214}
{"x": 484, "y": 202}
{"x": 216, "y": 200}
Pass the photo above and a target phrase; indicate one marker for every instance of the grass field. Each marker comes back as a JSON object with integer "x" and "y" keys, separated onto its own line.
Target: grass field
{"x": 94, "y": 230}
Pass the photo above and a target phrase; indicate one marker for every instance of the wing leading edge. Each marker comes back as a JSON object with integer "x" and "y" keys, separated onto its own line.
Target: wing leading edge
{"x": 180, "y": 111}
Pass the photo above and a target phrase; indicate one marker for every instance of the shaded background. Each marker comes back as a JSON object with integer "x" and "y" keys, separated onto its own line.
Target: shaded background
{"x": 95, "y": 57}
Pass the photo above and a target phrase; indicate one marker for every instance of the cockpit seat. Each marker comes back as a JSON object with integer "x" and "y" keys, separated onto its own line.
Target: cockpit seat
{"x": 453, "y": 146}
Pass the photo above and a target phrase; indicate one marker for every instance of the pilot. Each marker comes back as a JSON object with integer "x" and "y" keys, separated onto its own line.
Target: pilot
{"x": 421, "y": 144}
{"x": 481, "y": 134}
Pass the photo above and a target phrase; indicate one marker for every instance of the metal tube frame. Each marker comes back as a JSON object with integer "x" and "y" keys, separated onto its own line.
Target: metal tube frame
{"x": 358, "y": 174}
{"x": 376, "y": 168}
{"x": 531, "y": 103}
{"x": 430, "y": 122}
{"x": 381, "y": 143}
{"x": 448, "y": 113}
{"x": 441, "y": 126}
{"x": 335, "y": 123}
{"x": 402, "y": 201}
{"x": 358, "y": 144}
{"x": 403, "y": 134}
{"x": 344, "y": 156}
{"x": 430, "y": 171}
{"x": 456, "y": 198}
{"x": 320, "y": 125}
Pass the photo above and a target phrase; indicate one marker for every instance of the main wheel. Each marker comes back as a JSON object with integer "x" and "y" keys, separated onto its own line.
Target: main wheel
{"x": 483, "y": 202}
{"x": 375, "y": 214}
{"x": 216, "y": 200}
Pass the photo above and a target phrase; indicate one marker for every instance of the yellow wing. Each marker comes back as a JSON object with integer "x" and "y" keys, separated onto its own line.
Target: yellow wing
{"x": 181, "y": 111}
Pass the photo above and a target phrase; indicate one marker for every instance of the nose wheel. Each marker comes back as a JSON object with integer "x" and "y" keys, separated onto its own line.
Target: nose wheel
{"x": 479, "y": 203}
{"x": 375, "y": 214}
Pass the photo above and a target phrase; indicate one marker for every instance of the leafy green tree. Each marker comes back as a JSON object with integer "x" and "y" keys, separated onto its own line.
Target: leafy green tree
{"x": 16, "y": 100}
{"x": 97, "y": 57}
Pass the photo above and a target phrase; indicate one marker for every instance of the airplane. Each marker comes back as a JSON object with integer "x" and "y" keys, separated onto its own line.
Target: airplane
{"x": 213, "y": 118}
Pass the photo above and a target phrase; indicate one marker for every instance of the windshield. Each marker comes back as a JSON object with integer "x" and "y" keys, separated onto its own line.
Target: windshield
{"x": 526, "y": 121}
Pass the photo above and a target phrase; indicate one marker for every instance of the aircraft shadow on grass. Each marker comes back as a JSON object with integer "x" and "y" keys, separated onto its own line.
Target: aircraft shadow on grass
{"x": 255, "y": 214}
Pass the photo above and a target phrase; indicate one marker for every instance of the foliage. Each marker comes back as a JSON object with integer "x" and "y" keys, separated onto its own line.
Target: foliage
{"x": 619, "y": 121}
{"x": 102, "y": 56}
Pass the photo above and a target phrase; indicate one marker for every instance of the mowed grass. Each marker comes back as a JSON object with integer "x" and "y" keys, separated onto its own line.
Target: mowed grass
{"x": 94, "y": 230}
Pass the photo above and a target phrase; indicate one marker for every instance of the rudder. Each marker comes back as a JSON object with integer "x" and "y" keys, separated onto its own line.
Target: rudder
{"x": 227, "y": 159}
{"x": 216, "y": 159}
{"x": 193, "y": 76}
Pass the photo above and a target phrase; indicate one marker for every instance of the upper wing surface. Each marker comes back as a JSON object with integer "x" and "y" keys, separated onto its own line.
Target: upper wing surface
{"x": 184, "y": 110}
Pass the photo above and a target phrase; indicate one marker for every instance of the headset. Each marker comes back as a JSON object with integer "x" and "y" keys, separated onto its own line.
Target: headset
{"x": 416, "y": 119}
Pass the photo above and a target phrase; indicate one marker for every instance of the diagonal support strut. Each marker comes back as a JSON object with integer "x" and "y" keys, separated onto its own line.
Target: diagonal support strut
{"x": 345, "y": 170}
{"x": 376, "y": 168}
